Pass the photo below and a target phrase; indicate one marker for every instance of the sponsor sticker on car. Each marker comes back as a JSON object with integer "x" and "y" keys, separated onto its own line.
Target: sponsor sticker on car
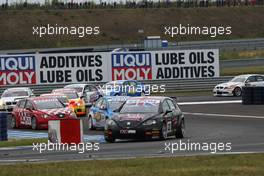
{"x": 143, "y": 102}
{"x": 117, "y": 98}
{"x": 127, "y": 131}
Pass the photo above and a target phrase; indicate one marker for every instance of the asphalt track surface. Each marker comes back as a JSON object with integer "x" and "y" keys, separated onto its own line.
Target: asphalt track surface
{"x": 207, "y": 125}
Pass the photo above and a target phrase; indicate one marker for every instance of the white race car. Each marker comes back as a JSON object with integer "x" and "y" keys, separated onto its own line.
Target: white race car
{"x": 11, "y": 96}
{"x": 234, "y": 86}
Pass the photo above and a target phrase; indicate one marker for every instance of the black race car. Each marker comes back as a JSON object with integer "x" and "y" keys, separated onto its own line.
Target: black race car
{"x": 146, "y": 118}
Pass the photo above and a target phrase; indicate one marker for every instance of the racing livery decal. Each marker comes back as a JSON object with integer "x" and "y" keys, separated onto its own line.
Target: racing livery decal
{"x": 131, "y": 66}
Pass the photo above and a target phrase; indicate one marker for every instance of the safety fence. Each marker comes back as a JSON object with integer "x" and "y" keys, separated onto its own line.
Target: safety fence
{"x": 171, "y": 85}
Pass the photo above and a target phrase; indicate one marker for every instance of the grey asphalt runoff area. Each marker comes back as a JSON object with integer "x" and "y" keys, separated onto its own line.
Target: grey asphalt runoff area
{"x": 236, "y": 128}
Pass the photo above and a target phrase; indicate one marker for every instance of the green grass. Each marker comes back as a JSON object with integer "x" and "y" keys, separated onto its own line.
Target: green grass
{"x": 242, "y": 70}
{"x": 21, "y": 142}
{"x": 232, "y": 55}
{"x": 221, "y": 165}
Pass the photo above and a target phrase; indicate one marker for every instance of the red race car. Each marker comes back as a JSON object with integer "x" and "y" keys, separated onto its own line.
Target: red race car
{"x": 36, "y": 112}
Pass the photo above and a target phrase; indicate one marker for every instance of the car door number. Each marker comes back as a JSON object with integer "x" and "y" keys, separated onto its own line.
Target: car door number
{"x": 25, "y": 119}
{"x": 169, "y": 126}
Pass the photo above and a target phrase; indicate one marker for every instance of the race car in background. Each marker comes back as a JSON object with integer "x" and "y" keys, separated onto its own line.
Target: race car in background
{"x": 76, "y": 103}
{"x": 36, "y": 112}
{"x": 104, "y": 108}
{"x": 125, "y": 88}
{"x": 11, "y": 96}
{"x": 89, "y": 92}
{"x": 146, "y": 118}
{"x": 61, "y": 97}
{"x": 234, "y": 86}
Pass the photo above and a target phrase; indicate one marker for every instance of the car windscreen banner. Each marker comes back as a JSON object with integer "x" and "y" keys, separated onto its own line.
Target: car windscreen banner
{"x": 107, "y": 66}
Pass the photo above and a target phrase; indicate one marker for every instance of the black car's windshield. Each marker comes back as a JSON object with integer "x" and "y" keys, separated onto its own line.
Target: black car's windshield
{"x": 238, "y": 79}
{"x": 48, "y": 104}
{"x": 141, "y": 106}
{"x": 17, "y": 93}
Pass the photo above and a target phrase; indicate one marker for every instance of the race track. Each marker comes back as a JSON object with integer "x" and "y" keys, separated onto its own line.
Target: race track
{"x": 230, "y": 122}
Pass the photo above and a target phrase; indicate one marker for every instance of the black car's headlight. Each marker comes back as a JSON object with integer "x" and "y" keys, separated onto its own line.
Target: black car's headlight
{"x": 150, "y": 122}
{"x": 109, "y": 123}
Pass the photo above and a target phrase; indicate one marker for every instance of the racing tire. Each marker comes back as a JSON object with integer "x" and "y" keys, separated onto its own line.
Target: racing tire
{"x": 180, "y": 130}
{"x": 90, "y": 123}
{"x": 237, "y": 92}
{"x": 110, "y": 140}
{"x": 13, "y": 123}
{"x": 34, "y": 124}
{"x": 163, "y": 132}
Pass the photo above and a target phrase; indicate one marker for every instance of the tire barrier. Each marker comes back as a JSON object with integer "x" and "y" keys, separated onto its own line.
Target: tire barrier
{"x": 252, "y": 95}
{"x": 3, "y": 126}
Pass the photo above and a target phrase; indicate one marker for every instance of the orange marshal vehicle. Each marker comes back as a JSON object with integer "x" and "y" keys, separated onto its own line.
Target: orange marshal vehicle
{"x": 76, "y": 103}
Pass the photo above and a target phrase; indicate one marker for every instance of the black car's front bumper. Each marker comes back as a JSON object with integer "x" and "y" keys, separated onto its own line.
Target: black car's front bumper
{"x": 142, "y": 132}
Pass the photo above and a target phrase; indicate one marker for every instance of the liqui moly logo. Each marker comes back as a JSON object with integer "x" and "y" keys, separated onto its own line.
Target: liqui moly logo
{"x": 131, "y": 66}
{"x": 17, "y": 70}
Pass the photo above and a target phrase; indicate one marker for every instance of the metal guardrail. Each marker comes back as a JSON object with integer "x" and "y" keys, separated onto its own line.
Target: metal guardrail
{"x": 171, "y": 85}
{"x": 223, "y": 45}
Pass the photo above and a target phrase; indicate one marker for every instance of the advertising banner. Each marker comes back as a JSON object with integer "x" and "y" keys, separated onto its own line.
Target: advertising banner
{"x": 107, "y": 66}
{"x": 72, "y": 68}
{"x": 186, "y": 64}
{"x": 17, "y": 70}
{"x": 174, "y": 64}
{"x": 131, "y": 66}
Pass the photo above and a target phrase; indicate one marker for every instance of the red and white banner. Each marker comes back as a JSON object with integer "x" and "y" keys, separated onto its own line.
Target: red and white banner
{"x": 66, "y": 131}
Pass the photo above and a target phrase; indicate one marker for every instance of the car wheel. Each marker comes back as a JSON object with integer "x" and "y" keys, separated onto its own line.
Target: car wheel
{"x": 34, "y": 124}
{"x": 180, "y": 130}
{"x": 90, "y": 123}
{"x": 110, "y": 140}
{"x": 13, "y": 122}
{"x": 164, "y": 132}
{"x": 237, "y": 92}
